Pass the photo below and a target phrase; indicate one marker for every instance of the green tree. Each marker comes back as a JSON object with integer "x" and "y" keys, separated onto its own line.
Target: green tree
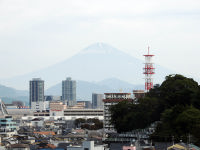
{"x": 79, "y": 121}
{"x": 177, "y": 89}
{"x": 175, "y": 103}
{"x": 120, "y": 116}
{"x": 90, "y": 124}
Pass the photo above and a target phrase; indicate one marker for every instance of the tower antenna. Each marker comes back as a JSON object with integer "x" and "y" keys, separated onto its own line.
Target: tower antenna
{"x": 148, "y": 71}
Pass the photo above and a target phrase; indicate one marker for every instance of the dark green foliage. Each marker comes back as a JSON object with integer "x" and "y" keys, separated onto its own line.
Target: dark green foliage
{"x": 90, "y": 124}
{"x": 79, "y": 121}
{"x": 176, "y": 103}
{"x": 178, "y": 90}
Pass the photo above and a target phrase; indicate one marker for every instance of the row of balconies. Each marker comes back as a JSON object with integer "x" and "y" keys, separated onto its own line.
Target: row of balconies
{"x": 83, "y": 115}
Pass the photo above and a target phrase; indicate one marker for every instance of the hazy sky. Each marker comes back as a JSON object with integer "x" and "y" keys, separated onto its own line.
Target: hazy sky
{"x": 38, "y": 33}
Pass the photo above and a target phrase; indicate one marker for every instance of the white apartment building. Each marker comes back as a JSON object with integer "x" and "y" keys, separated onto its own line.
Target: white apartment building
{"x": 113, "y": 99}
{"x": 87, "y": 145}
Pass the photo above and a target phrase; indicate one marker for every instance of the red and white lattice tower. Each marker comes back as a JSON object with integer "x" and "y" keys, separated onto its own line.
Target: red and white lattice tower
{"x": 148, "y": 71}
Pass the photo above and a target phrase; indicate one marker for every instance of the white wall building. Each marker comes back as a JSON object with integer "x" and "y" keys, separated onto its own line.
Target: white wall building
{"x": 87, "y": 145}
{"x": 113, "y": 99}
{"x": 37, "y": 122}
{"x": 39, "y": 105}
{"x": 56, "y": 113}
{"x": 69, "y": 114}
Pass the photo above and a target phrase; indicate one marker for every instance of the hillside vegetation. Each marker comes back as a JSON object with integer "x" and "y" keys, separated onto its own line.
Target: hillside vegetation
{"x": 175, "y": 104}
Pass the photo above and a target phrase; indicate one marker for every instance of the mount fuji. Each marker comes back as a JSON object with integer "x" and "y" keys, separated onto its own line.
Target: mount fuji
{"x": 95, "y": 63}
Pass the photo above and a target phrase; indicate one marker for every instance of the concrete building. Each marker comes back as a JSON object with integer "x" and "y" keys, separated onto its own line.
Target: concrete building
{"x": 57, "y": 108}
{"x": 40, "y": 106}
{"x": 19, "y": 147}
{"x": 37, "y": 122}
{"x": 113, "y": 99}
{"x": 69, "y": 114}
{"x": 36, "y": 89}
{"x": 7, "y": 126}
{"x": 56, "y": 113}
{"x": 52, "y": 98}
{"x": 69, "y": 91}
{"x": 11, "y": 106}
{"x": 87, "y": 104}
{"x": 138, "y": 94}
{"x": 87, "y": 145}
{"x": 57, "y": 105}
{"x": 72, "y": 114}
{"x": 79, "y": 105}
{"x": 97, "y": 101}
{"x": 17, "y": 113}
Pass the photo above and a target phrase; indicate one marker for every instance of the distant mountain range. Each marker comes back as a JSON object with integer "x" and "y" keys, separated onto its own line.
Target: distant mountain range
{"x": 11, "y": 92}
{"x": 84, "y": 90}
{"x": 97, "y": 62}
{"x": 8, "y": 94}
{"x": 98, "y": 68}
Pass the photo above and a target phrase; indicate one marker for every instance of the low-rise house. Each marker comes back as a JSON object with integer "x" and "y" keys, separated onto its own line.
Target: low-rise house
{"x": 87, "y": 145}
{"x": 49, "y": 123}
{"x": 37, "y": 122}
{"x": 19, "y": 147}
{"x": 24, "y": 139}
{"x": 45, "y": 133}
{"x": 131, "y": 147}
{"x": 72, "y": 137}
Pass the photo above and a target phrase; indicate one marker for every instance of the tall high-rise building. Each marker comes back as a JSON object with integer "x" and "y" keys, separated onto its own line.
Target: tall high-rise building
{"x": 97, "y": 102}
{"x": 69, "y": 91}
{"x": 36, "y": 89}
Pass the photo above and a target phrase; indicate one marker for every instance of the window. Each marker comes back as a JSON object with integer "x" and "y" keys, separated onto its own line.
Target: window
{"x": 86, "y": 148}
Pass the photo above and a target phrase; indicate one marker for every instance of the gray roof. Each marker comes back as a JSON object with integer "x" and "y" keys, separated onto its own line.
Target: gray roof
{"x": 20, "y": 111}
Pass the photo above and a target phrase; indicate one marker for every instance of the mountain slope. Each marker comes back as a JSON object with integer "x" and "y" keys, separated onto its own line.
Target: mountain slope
{"x": 8, "y": 94}
{"x": 114, "y": 83}
{"x": 85, "y": 89}
{"x": 94, "y": 63}
{"x": 11, "y": 92}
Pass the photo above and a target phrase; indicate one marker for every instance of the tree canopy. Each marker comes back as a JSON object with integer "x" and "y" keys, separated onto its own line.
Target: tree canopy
{"x": 90, "y": 124}
{"x": 175, "y": 103}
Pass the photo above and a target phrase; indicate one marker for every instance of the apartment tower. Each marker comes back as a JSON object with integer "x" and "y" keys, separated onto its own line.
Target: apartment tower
{"x": 69, "y": 91}
{"x": 36, "y": 93}
{"x": 97, "y": 101}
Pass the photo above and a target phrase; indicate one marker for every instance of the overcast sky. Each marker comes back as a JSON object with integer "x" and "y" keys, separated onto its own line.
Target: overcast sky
{"x": 35, "y": 34}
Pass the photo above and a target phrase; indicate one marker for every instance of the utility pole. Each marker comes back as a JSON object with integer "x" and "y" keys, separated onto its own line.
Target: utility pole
{"x": 189, "y": 141}
{"x": 173, "y": 140}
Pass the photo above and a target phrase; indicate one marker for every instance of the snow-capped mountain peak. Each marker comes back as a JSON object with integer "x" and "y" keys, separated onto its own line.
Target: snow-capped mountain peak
{"x": 99, "y": 48}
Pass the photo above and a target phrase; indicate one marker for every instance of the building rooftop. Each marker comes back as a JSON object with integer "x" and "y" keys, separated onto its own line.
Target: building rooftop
{"x": 138, "y": 91}
{"x": 117, "y": 100}
{"x": 118, "y": 93}
{"x": 45, "y": 133}
{"x": 36, "y": 79}
{"x": 19, "y": 146}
